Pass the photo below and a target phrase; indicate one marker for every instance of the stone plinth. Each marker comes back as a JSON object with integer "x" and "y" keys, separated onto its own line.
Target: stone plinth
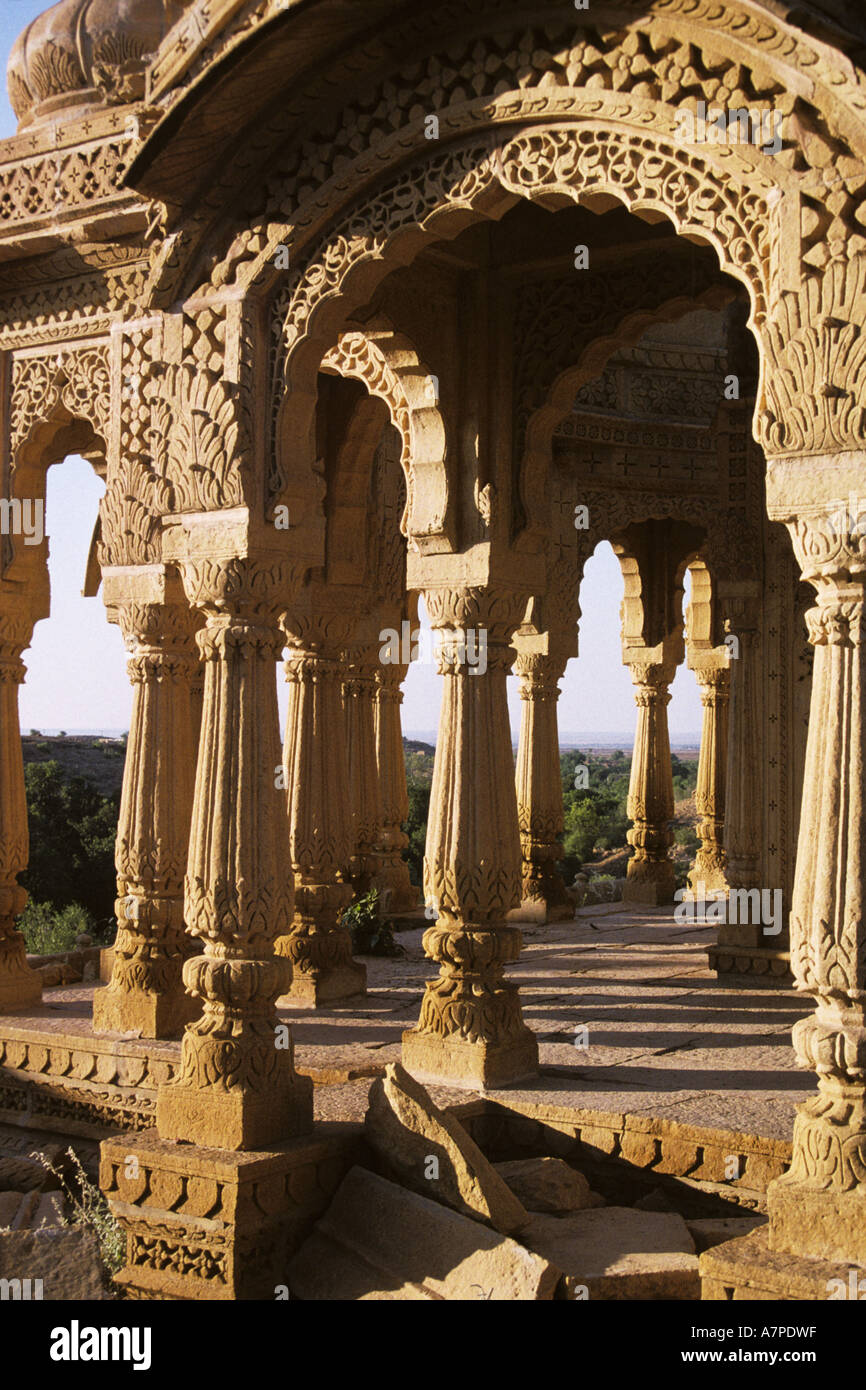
{"x": 207, "y": 1224}
{"x": 746, "y": 1269}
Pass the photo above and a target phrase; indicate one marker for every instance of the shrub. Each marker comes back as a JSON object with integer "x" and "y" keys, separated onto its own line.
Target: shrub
{"x": 90, "y": 1209}
{"x": 372, "y": 934}
{"x": 48, "y": 930}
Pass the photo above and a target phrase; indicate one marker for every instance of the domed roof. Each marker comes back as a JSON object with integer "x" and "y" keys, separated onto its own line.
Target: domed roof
{"x": 85, "y": 53}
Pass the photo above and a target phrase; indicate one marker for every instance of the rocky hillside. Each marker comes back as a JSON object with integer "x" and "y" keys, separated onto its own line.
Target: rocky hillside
{"x": 99, "y": 760}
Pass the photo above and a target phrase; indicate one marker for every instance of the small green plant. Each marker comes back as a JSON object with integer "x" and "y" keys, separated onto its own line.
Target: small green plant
{"x": 49, "y": 930}
{"x": 91, "y": 1210}
{"x": 372, "y": 934}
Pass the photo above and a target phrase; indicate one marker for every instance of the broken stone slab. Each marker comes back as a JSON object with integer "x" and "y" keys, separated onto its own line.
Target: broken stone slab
{"x": 428, "y": 1150}
{"x": 9, "y": 1204}
{"x": 21, "y": 1211}
{"x": 17, "y": 1208}
{"x": 49, "y": 1212}
{"x": 64, "y": 1259}
{"x": 378, "y": 1241}
{"x": 23, "y": 1172}
{"x": 547, "y": 1184}
{"x": 616, "y": 1253}
{"x": 711, "y": 1232}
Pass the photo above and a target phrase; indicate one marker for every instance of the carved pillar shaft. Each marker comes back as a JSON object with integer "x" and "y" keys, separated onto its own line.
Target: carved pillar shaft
{"x": 819, "y": 1206}
{"x": 20, "y": 987}
{"x": 359, "y": 700}
{"x": 146, "y": 992}
{"x": 708, "y": 873}
{"x": 650, "y": 873}
{"x": 539, "y": 789}
{"x": 320, "y": 833}
{"x": 392, "y": 872}
{"x": 743, "y": 798}
{"x": 471, "y": 1031}
{"x": 236, "y": 1087}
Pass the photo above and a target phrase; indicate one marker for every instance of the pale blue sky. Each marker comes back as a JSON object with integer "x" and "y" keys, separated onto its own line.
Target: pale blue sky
{"x": 76, "y": 665}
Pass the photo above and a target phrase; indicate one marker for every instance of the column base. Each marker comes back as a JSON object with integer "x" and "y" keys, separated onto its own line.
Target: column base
{"x": 748, "y": 1269}
{"x": 396, "y": 890}
{"x": 451, "y": 1061}
{"x": 823, "y": 1225}
{"x": 541, "y": 910}
{"x": 203, "y": 1224}
{"x": 652, "y": 891}
{"x": 150, "y": 1015}
{"x": 239, "y": 1119}
{"x": 316, "y": 990}
{"x": 545, "y": 899}
{"x": 20, "y": 991}
{"x": 20, "y": 986}
{"x": 752, "y": 967}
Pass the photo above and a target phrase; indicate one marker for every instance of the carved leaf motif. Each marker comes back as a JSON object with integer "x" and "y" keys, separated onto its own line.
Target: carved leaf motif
{"x": 205, "y": 462}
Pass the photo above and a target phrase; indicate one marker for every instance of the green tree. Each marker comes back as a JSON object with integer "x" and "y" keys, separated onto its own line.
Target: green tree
{"x": 72, "y": 833}
{"x": 416, "y": 829}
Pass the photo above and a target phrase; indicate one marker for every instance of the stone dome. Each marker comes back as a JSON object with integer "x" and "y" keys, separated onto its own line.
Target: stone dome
{"x": 85, "y": 53}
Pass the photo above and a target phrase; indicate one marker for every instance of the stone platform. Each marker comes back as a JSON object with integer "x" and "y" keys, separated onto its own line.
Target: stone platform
{"x": 629, "y": 1020}
{"x": 656, "y": 1080}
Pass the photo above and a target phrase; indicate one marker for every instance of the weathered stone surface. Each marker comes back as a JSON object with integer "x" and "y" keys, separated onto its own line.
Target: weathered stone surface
{"x": 618, "y": 1253}
{"x": 50, "y": 1211}
{"x": 407, "y": 1130}
{"x": 64, "y": 1258}
{"x": 710, "y": 1232}
{"x": 9, "y": 1205}
{"x": 378, "y": 1241}
{"x": 547, "y": 1184}
{"x": 745, "y": 1269}
{"x": 24, "y": 1172}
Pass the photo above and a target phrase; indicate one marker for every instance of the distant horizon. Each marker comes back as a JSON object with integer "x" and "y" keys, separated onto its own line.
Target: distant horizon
{"x": 567, "y": 741}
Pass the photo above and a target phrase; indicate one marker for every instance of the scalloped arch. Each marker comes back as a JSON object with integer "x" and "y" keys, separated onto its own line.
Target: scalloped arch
{"x": 386, "y": 363}
{"x": 554, "y": 166}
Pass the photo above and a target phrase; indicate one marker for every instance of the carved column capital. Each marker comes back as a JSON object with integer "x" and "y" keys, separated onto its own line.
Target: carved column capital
{"x": 714, "y": 685}
{"x": 472, "y": 621}
{"x": 538, "y": 675}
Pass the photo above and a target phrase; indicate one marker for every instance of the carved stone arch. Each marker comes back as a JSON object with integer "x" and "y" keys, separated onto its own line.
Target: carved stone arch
{"x": 562, "y": 388}
{"x": 628, "y": 67}
{"x": 652, "y": 613}
{"x": 351, "y": 536}
{"x": 60, "y": 404}
{"x": 554, "y": 166}
{"x": 705, "y": 619}
{"x": 390, "y": 369}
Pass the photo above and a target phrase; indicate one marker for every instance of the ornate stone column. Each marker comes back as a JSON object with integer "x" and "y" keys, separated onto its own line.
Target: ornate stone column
{"x": 471, "y": 1031}
{"x": 362, "y": 788}
{"x": 744, "y": 790}
{"x": 392, "y": 872}
{"x": 20, "y": 987}
{"x": 236, "y": 1086}
{"x": 818, "y": 1208}
{"x": 650, "y": 874}
{"x": 708, "y": 874}
{"x": 320, "y": 828}
{"x": 146, "y": 993}
{"x": 539, "y": 784}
